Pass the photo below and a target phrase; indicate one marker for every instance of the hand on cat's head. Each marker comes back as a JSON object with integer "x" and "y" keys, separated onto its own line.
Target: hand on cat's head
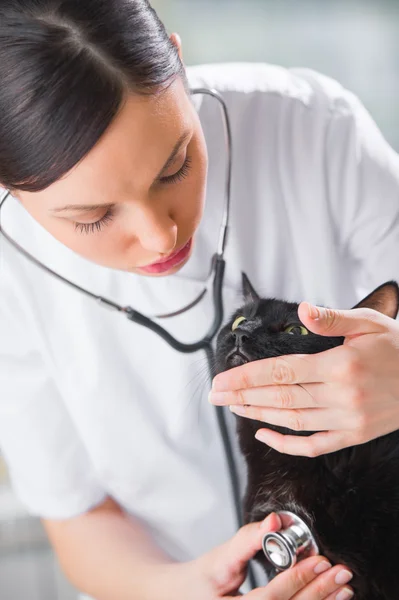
{"x": 348, "y": 394}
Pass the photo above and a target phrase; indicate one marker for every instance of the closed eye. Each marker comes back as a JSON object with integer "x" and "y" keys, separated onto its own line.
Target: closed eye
{"x": 181, "y": 174}
{"x": 97, "y": 226}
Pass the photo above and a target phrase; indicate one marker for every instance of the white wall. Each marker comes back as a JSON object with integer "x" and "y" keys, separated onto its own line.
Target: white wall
{"x": 354, "y": 41}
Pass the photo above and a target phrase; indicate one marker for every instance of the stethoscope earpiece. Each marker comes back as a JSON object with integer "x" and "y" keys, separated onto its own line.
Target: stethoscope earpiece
{"x": 293, "y": 542}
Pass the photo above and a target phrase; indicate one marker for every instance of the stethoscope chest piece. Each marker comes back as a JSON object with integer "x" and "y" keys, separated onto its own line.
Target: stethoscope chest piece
{"x": 294, "y": 541}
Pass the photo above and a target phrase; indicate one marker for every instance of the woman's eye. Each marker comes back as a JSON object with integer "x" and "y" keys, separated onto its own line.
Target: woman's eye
{"x": 181, "y": 173}
{"x": 97, "y": 225}
{"x": 296, "y": 330}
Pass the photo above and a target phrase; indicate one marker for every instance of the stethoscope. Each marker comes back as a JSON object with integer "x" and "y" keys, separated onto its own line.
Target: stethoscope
{"x": 293, "y": 542}
{"x": 214, "y": 285}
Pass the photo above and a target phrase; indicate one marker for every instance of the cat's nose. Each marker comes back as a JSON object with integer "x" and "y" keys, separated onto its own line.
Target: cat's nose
{"x": 240, "y": 336}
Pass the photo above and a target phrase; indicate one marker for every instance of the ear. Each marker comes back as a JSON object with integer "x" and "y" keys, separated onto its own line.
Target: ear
{"x": 176, "y": 41}
{"x": 248, "y": 291}
{"x": 385, "y": 299}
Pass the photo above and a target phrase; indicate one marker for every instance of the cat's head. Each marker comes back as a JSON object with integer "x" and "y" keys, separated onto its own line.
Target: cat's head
{"x": 264, "y": 327}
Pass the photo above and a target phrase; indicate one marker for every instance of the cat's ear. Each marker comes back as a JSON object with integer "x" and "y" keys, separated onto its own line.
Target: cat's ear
{"x": 250, "y": 295}
{"x": 385, "y": 299}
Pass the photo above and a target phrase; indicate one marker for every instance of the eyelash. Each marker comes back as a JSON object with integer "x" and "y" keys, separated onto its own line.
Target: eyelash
{"x": 181, "y": 173}
{"x": 109, "y": 215}
{"x": 97, "y": 226}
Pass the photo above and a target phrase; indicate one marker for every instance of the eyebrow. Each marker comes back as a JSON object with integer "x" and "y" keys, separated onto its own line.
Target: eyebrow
{"x": 89, "y": 207}
{"x": 82, "y": 207}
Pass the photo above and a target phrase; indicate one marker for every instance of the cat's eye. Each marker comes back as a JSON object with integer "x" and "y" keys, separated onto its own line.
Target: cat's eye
{"x": 237, "y": 322}
{"x": 296, "y": 330}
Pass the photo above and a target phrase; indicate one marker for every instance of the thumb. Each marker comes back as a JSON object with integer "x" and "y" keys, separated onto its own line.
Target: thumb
{"x": 226, "y": 565}
{"x": 231, "y": 559}
{"x": 248, "y": 540}
{"x": 346, "y": 323}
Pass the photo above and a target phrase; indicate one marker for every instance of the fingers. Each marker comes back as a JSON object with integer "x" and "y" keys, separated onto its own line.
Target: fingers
{"x": 311, "y": 579}
{"x": 311, "y": 446}
{"x": 310, "y": 419}
{"x": 302, "y": 386}
{"x": 284, "y": 370}
{"x": 345, "y": 593}
{"x": 248, "y": 540}
{"x": 326, "y": 585}
{"x": 347, "y": 323}
{"x": 313, "y": 395}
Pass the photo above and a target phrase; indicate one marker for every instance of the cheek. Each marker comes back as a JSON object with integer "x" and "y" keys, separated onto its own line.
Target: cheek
{"x": 105, "y": 248}
{"x": 187, "y": 199}
{"x": 112, "y": 247}
{"x": 60, "y": 229}
{"x": 188, "y": 203}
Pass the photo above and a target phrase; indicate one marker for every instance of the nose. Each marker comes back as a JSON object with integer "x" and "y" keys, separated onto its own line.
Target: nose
{"x": 240, "y": 336}
{"x": 157, "y": 233}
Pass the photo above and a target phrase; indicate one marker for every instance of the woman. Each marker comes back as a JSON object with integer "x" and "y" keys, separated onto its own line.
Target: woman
{"x": 106, "y": 155}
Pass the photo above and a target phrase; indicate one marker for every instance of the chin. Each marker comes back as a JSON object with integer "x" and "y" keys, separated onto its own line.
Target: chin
{"x": 236, "y": 361}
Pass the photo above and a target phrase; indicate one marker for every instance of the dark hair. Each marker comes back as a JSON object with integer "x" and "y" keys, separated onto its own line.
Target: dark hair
{"x": 65, "y": 69}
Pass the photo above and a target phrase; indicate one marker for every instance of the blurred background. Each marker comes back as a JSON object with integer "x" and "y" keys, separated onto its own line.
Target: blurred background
{"x": 354, "y": 41}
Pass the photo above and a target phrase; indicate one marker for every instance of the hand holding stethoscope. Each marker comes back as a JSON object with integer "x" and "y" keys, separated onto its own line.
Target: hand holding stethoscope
{"x": 221, "y": 572}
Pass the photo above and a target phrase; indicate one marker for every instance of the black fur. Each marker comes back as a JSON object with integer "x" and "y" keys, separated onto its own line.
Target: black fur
{"x": 350, "y": 498}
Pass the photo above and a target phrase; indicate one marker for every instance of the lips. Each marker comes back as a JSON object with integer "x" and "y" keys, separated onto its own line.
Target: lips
{"x": 173, "y": 260}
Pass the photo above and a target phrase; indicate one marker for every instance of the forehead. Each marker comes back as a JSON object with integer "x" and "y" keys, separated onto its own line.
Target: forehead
{"x": 130, "y": 152}
{"x": 274, "y": 311}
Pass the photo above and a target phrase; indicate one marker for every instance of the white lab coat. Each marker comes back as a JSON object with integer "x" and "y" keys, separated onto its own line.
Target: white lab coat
{"x": 93, "y": 405}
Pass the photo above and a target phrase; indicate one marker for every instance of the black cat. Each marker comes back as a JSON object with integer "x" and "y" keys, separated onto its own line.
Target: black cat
{"x": 350, "y": 498}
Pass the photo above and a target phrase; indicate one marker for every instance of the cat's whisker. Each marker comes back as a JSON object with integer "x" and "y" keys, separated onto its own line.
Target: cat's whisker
{"x": 203, "y": 374}
{"x": 200, "y": 392}
{"x": 203, "y": 378}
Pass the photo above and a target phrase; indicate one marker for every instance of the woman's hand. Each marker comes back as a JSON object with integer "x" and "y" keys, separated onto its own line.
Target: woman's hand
{"x": 349, "y": 394}
{"x": 221, "y": 572}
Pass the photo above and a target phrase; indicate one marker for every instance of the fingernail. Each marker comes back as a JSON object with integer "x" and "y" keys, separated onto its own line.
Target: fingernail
{"x": 238, "y": 410}
{"x": 262, "y": 436}
{"x": 343, "y": 577}
{"x": 266, "y": 522}
{"x": 217, "y": 398}
{"x": 344, "y": 595}
{"x": 321, "y": 567}
{"x": 314, "y": 312}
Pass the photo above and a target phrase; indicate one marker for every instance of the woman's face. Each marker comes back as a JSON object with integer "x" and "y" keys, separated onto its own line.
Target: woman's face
{"x": 135, "y": 201}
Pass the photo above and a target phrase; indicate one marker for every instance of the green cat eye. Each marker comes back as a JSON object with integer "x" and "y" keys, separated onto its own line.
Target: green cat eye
{"x": 296, "y": 330}
{"x": 237, "y": 323}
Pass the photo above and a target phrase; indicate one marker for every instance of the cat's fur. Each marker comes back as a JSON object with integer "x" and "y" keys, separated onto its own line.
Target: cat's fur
{"x": 350, "y": 498}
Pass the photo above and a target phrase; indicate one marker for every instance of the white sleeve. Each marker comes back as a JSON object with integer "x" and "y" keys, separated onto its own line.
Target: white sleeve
{"x": 363, "y": 188}
{"x": 49, "y": 467}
